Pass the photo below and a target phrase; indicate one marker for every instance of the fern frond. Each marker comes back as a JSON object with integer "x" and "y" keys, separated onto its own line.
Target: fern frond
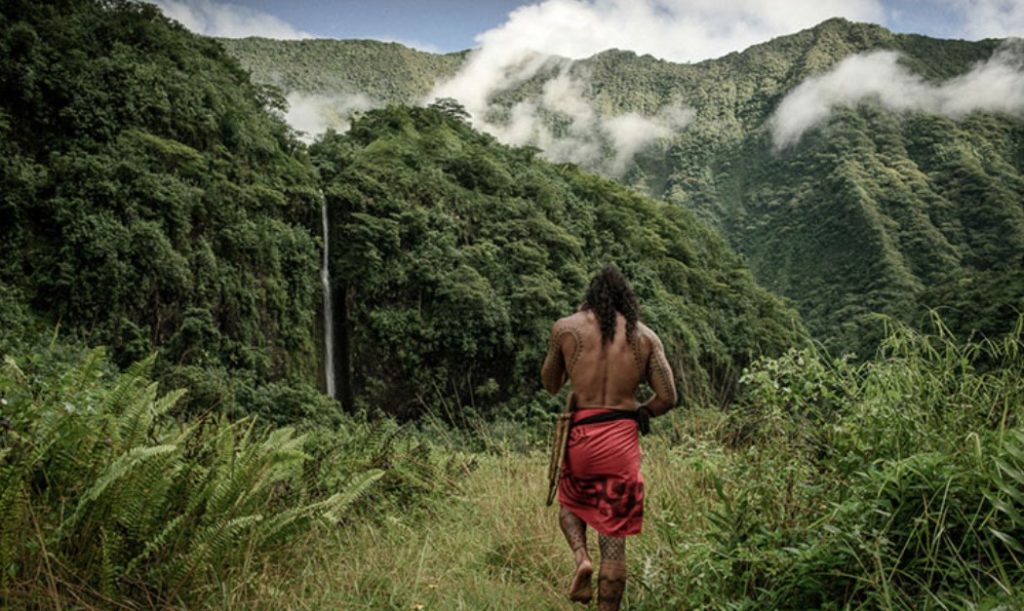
{"x": 110, "y": 567}
{"x": 211, "y": 546}
{"x": 339, "y": 503}
{"x": 155, "y": 543}
{"x": 120, "y": 468}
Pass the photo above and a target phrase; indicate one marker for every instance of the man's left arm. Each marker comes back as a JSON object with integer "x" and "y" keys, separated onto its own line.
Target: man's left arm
{"x": 659, "y": 375}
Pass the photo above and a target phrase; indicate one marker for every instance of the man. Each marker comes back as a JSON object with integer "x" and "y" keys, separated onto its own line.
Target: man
{"x": 606, "y": 352}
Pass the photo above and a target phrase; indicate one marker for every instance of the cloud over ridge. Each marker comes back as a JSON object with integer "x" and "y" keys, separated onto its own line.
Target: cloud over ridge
{"x": 313, "y": 114}
{"x": 538, "y": 37}
{"x": 226, "y": 20}
{"x": 995, "y": 85}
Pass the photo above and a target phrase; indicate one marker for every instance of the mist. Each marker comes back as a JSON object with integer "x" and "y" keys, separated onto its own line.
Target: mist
{"x": 995, "y": 85}
{"x": 313, "y": 114}
{"x": 564, "y": 124}
{"x": 543, "y": 37}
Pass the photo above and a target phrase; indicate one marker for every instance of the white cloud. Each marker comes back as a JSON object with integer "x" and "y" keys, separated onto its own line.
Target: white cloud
{"x": 995, "y": 85}
{"x": 630, "y": 133}
{"x": 313, "y": 114}
{"x": 226, "y": 20}
{"x": 676, "y": 30}
{"x": 566, "y": 127}
{"x": 537, "y": 37}
{"x": 990, "y": 18}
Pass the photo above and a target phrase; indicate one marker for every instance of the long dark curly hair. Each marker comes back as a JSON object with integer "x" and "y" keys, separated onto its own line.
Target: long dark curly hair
{"x": 609, "y": 292}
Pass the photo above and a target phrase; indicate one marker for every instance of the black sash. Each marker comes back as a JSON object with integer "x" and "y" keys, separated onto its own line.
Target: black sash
{"x": 643, "y": 422}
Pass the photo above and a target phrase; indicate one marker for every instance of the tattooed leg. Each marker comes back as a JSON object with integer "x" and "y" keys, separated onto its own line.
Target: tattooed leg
{"x": 611, "y": 581}
{"x": 575, "y": 531}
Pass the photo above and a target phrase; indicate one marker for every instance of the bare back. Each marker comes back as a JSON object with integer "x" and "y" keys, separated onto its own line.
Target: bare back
{"x": 607, "y": 374}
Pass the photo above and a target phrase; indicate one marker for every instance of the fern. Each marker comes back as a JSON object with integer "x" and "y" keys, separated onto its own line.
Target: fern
{"x": 338, "y": 504}
{"x": 156, "y": 543}
{"x": 126, "y": 498}
{"x": 111, "y": 544}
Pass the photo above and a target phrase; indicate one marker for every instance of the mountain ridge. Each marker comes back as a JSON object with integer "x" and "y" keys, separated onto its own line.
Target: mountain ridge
{"x": 724, "y": 166}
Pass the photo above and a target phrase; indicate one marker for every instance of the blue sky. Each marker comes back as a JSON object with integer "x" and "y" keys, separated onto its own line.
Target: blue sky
{"x": 446, "y": 25}
{"x": 450, "y": 25}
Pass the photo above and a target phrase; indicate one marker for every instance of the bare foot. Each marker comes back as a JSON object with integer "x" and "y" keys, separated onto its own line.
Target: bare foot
{"x": 580, "y": 589}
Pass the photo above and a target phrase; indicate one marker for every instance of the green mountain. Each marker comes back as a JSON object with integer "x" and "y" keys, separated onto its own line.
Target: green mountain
{"x": 153, "y": 200}
{"x": 875, "y": 211}
{"x": 458, "y": 253}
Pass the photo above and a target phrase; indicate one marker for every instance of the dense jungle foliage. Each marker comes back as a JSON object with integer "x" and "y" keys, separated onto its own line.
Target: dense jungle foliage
{"x": 107, "y": 501}
{"x": 150, "y": 201}
{"x": 893, "y": 484}
{"x": 161, "y": 205}
{"x": 877, "y": 211}
{"x": 460, "y": 252}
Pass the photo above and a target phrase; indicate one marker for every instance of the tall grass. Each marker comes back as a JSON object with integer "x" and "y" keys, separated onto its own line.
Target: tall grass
{"x": 893, "y": 484}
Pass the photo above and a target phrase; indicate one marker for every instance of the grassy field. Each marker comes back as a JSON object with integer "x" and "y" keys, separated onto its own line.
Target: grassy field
{"x": 493, "y": 546}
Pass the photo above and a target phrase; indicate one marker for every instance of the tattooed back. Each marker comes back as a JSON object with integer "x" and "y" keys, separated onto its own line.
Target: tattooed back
{"x": 607, "y": 374}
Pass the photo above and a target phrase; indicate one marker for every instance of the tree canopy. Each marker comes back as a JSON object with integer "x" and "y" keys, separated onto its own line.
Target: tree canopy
{"x": 875, "y": 211}
{"x": 152, "y": 198}
{"x": 454, "y": 254}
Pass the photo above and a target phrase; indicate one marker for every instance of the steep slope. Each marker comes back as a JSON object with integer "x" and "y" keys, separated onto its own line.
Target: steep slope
{"x": 875, "y": 211}
{"x": 149, "y": 199}
{"x": 883, "y": 213}
{"x": 459, "y": 253}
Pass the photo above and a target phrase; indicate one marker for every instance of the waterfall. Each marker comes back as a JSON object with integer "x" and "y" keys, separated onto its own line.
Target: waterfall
{"x": 325, "y": 278}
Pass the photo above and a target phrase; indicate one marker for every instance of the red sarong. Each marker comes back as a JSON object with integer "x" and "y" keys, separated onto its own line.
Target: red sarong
{"x": 601, "y": 482}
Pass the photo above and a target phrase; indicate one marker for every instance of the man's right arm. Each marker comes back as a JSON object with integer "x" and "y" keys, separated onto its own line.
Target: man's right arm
{"x": 659, "y": 376}
{"x": 553, "y": 372}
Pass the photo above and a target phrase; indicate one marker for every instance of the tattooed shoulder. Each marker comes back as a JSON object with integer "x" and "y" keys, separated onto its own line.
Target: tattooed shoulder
{"x": 562, "y": 329}
{"x": 636, "y": 345}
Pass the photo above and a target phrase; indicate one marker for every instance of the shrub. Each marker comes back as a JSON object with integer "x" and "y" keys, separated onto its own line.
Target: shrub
{"x": 897, "y": 483}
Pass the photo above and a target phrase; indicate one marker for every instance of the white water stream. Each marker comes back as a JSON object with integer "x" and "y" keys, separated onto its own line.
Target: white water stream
{"x": 325, "y": 278}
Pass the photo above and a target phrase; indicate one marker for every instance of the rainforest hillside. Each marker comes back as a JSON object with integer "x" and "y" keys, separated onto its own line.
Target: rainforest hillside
{"x": 153, "y": 200}
{"x": 873, "y": 211}
{"x": 163, "y": 444}
{"x": 455, "y": 254}
{"x": 383, "y": 71}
